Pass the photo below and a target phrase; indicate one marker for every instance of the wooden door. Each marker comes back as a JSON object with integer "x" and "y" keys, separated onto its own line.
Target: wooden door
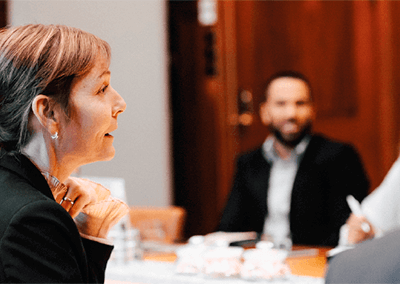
{"x": 343, "y": 47}
{"x": 3, "y": 13}
{"x": 346, "y": 48}
{"x": 312, "y": 37}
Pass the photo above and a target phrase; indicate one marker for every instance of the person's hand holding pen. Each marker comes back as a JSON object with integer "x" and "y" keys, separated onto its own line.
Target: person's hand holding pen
{"x": 359, "y": 228}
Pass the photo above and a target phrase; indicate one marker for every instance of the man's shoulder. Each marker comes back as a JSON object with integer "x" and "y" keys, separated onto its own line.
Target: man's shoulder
{"x": 323, "y": 150}
{"x": 251, "y": 155}
{"x": 322, "y": 143}
{"x": 252, "y": 160}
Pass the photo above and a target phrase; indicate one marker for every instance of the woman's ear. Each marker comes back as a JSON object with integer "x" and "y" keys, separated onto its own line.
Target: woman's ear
{"x": 45, "y": 110}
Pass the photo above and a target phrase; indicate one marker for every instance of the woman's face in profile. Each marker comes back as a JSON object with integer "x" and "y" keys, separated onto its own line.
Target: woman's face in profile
{"x": 94, "y": 107}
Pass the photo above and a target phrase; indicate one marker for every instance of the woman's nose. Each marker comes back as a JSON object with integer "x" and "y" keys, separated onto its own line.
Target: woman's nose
{"x": 120, "y": 104}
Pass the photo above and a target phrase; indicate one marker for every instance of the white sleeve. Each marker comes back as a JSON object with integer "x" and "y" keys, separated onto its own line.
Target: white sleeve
{"x": 382, "y": 206}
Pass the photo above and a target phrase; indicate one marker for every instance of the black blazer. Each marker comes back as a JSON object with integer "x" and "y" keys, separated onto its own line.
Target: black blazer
{"x": 328, "y": 172}
{"x": 374, "y": 261}
{"x": 39, "y": 241}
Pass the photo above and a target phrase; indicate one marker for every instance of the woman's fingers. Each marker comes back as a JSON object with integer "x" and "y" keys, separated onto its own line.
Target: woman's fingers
{"x": 78, "y": 196}
{"x": 81, "y": 201}
{"x": 67, "y": 203}
{"x": 59, "y": 192}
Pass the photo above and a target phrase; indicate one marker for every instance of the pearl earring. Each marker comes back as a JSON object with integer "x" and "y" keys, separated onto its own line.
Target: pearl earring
{"x": 55, "y": 136}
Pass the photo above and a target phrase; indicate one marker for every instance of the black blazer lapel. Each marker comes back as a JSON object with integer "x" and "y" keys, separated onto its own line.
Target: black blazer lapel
{"x": 23, "y": 167}
{"x": 261, "y": 175}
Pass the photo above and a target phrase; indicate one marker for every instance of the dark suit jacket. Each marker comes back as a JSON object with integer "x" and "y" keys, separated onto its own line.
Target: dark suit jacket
{"x": 374, "y": 261}
{"x": 39, "y": 241}
{"x": 328, "y": 172}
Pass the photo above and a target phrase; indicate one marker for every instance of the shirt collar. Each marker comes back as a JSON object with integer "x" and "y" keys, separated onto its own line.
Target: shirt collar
{"x": 57, "y": 188}
{"x": 271, "y": 155}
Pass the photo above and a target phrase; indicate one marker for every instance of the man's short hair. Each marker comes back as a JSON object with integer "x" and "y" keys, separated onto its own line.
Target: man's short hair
{"x": 289, "y": 74}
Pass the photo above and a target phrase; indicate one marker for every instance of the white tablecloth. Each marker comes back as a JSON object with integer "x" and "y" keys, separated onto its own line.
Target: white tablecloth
{"x": 152, "y": 272}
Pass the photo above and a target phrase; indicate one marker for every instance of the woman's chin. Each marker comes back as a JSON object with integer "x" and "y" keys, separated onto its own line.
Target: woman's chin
{"x": 110, "y": 156}
{"x": 101, "y": 156}
{"x": 107, "y": 155}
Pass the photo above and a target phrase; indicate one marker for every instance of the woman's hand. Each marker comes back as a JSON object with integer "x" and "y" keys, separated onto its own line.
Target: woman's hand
{"x": 79, "y": 193}
{"x": 97, "y": 219}
{"x": 358, "y": 229}
{"x": 94, "y": 210}
{"x": 91, "y": 206}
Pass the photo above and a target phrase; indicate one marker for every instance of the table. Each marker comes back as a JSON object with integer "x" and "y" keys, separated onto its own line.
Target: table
{"x": 307, "y": 265}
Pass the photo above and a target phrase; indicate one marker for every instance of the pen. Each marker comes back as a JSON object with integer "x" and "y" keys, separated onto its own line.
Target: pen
{"x": 355, "y": 207}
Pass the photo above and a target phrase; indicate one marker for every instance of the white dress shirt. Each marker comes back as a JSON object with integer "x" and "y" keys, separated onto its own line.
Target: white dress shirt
{"x": 282, "y": 176}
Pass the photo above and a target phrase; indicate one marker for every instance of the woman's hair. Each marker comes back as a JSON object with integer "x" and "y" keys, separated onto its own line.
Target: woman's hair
{"x": 40, "y": 59}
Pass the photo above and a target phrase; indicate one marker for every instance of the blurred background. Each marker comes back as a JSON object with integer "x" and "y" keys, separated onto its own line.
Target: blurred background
{"x": 193, "y": 73}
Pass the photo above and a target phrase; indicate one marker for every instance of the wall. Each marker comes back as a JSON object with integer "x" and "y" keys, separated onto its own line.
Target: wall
{"x": 136, "y": 31}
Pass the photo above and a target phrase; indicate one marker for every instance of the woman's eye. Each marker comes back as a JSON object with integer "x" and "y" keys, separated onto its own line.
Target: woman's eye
{"x": 102, "y": 90}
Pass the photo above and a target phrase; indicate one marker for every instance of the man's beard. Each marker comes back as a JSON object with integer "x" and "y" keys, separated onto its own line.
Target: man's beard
{"x": 291, "y": 142}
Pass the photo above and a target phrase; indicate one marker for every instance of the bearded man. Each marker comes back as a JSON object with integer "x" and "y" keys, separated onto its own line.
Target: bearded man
{"x": 295, "y": 185}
